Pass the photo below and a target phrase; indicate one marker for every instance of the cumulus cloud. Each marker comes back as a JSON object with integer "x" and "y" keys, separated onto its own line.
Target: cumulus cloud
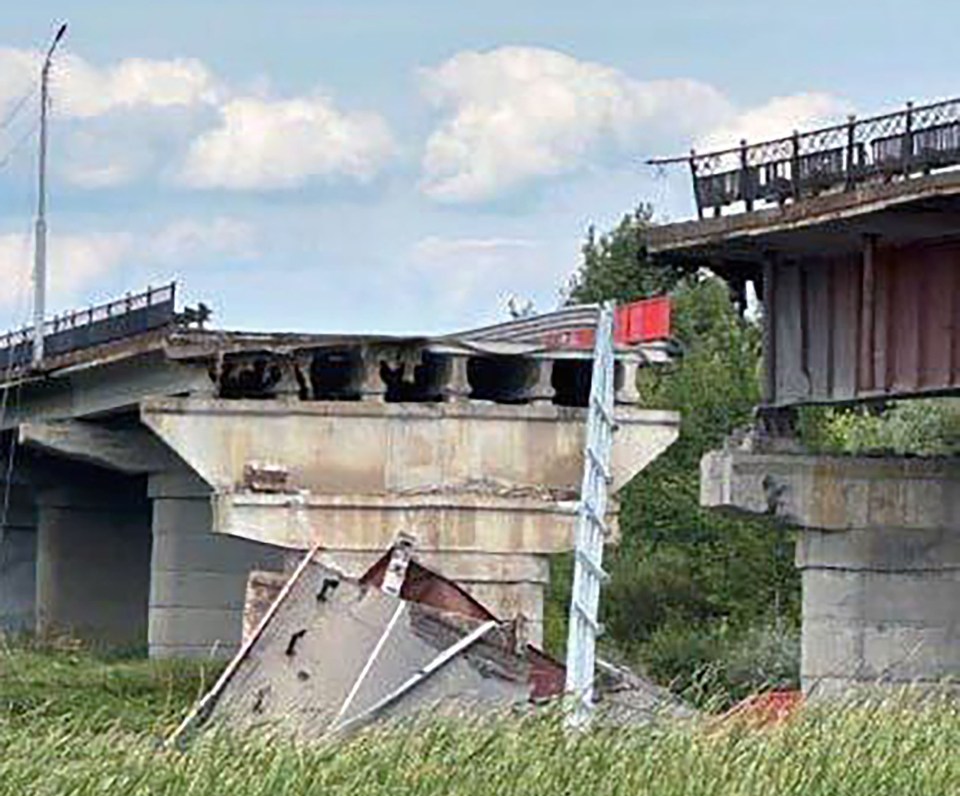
{"x": 82, "y": 90}
{"x": 515, "y": 114}
{"x": 74, "y": 262}
{"x": 776, "y": 118}
{"x": 78, "y": 260}
{"x": 140, "y": 117}
{"x": 264, "y": 144}
{"x": 88, "y": 91}
{"x": 188, "y": 239}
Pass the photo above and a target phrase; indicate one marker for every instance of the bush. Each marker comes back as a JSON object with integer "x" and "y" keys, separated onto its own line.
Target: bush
{"x": 919, "y": 427}
{"x": 717, "y": 666}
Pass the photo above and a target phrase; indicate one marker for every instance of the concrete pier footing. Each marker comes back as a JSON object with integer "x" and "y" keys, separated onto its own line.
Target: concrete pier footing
{"x": 879, "y": 550}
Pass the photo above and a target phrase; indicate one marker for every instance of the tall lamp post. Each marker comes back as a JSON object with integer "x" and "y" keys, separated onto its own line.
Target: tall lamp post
{"x": 40, "y": 242}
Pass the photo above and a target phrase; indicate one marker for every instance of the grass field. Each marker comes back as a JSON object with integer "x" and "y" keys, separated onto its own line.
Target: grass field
{"x": 73, "y": 724}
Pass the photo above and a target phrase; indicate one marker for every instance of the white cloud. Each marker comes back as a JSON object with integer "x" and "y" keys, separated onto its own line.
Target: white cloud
{"x": 139, "y": 117}
{"x": 19, "y": 69}
{"x": 189, "y": 239}
{"x": 518, "y": 113}
{"x": 77, "y": 261}
{"x": 81, "y": 90}
{"x": 74, "y": 262}
{"x": 263, "y": 144}
{"x": 88, "y": 91}
{"x": 776, "y": 118}
{"x": 437, "y": 252}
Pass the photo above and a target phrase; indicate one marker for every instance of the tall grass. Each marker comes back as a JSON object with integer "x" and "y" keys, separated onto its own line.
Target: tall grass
{"x": 88, "y": 748}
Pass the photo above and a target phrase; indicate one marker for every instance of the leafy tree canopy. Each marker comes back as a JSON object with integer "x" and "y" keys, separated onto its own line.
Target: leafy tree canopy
{"x": 687, "y": 586}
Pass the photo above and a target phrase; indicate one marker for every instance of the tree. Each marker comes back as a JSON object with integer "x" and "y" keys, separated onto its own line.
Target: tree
{"x": 615, "y": 264}
{"x": 682, "y": 575}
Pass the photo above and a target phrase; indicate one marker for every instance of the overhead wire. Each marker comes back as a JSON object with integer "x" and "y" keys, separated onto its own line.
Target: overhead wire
{"x": 18, "y": 106}
{"x": 27, "y": 135}
{"x": 5, "y": 405}
{"x": 5, "y": 402}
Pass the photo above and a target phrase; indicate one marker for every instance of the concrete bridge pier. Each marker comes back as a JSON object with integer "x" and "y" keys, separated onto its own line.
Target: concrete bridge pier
{"x": 197, "y": 578}
{"x": 18, "y": 557}
{"x": 878, "y": 546}
{"x": 93, "y": 557}
{"x": 488, "y": 491}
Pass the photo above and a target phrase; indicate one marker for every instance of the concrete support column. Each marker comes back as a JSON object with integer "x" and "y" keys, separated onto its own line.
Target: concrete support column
{"x": 372, "y": 386}
{"x": 456, "y": 385}
{"x": 198, "y": 578}
{"x": 93, "y": 554}
{"x": 18, "y": 559}
{"x": 879, "y": 606}
{"x": 541, "y": 390}
{"x": 626, "y": 382}
{"x": 879, "y": 549}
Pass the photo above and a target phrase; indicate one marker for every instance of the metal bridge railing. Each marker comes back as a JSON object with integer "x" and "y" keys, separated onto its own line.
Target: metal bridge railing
{"x": 102, "y": 323}
{"x": 913, "y": 141}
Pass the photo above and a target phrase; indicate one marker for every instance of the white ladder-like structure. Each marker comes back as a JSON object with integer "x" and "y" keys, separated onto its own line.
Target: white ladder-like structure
{"x": 592, "y": 531}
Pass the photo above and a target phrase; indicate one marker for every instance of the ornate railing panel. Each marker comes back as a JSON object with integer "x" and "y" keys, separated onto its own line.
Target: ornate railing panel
{"x": 916, "y": 140}
{"x": 125, "y": 317}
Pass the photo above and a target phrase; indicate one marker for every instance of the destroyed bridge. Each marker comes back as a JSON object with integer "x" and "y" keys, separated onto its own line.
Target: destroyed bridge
{"x": 151, "y": 464}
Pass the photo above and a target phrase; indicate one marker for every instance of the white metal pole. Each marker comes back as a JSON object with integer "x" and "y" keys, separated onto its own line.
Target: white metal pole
{"x": 40, "y": 232}
{"x": 591, "y": 527}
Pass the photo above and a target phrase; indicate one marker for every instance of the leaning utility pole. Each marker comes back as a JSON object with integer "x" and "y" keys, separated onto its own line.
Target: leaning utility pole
{"x": 592, "y": 529}
{"x": 40, "y": 241}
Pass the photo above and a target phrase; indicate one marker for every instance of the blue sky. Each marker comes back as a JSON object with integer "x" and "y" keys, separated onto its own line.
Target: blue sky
{"x": 403, "y": 166}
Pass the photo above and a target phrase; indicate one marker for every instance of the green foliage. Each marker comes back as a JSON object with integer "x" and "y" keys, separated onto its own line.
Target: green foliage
{"x": 40, "y": 683}
{"x": 891, "y": 748}
{"x": 721, "y": 664}
{"x": 680, "y": 572}
{"x": 920, "y": 427}
{"x": 613, "y": 265}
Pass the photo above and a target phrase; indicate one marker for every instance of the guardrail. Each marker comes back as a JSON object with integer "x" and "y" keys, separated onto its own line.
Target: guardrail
{"x": 102, "y": 323}
{"x": 916, "y": 140}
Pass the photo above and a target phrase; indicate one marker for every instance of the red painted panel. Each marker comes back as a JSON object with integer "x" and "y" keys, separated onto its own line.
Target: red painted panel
{"x": 921, "y": 293}
{"x": 884, "y": 323}
{"x": 642, "y": 321}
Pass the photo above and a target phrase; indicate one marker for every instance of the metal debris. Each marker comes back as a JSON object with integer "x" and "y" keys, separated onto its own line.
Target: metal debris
{"x": 333, "y": 653}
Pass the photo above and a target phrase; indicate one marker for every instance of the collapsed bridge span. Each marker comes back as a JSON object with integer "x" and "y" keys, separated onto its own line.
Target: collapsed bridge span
{"x": 156, "y": 466}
